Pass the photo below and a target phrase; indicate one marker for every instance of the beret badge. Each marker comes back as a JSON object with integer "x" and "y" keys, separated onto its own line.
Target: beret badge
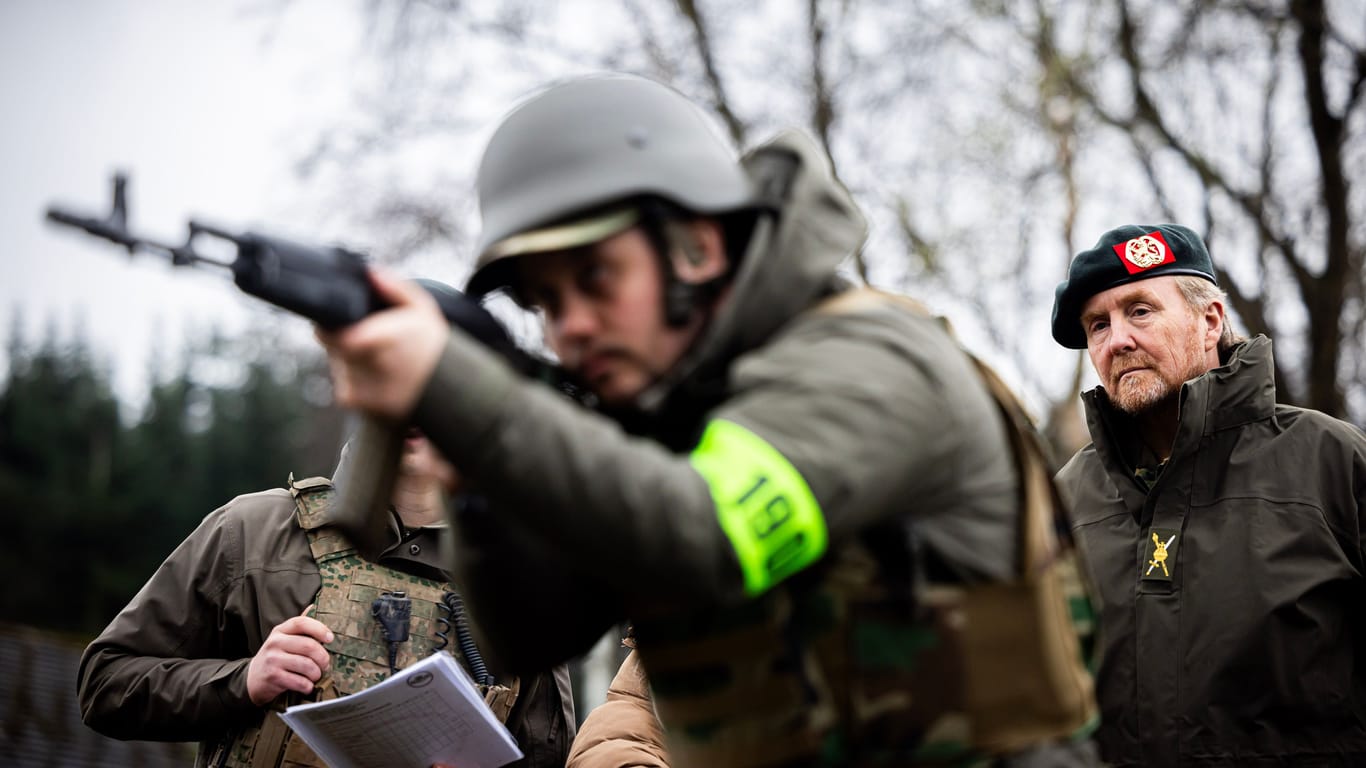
{"x": 1144, "y": 252}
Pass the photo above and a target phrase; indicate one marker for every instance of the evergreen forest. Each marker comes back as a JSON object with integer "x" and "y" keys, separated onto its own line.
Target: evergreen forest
{"x": 96, "y": 493}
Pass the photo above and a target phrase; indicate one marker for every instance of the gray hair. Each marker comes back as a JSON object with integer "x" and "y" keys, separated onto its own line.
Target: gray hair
{"x": 1199, "y": 293}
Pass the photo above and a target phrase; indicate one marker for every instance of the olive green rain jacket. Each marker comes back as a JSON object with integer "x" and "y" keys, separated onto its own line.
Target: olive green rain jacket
{"x": 1240, "y": 644}
{"x": 879, "y": 412}
{"x": 788, "y": 437}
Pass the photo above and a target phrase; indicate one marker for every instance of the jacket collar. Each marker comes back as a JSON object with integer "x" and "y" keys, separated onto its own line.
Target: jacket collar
{"x": 1240, "y": 391}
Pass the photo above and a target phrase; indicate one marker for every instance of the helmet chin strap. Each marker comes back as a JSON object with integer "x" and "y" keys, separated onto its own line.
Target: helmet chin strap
{"x": 683, "y": 300}
{"x": 679, "y": 302}
{"x": 668, "y": 236}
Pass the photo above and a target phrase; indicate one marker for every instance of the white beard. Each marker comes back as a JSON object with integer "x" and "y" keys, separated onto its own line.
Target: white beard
{"x": 1140, "y": 392}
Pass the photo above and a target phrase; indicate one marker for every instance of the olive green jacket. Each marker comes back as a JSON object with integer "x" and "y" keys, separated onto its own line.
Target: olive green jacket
{"x": 1242, "y": 644}
{"x": 172, "y": 666}
{"x": 877, "y": 410}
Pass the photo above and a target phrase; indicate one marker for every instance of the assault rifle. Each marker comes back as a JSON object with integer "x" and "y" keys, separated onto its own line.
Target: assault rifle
{"x": 328, "y": 285}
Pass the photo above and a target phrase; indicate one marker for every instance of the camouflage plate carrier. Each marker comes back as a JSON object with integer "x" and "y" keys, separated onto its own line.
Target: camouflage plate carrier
{"x": 360, "y": 655}
{"x": 835, "y": 667}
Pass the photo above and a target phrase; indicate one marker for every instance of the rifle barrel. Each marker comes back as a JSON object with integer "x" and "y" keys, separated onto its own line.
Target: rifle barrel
{"x": 116, "y": 233}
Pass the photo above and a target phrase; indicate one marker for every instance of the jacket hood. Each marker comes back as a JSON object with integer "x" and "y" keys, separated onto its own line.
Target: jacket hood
{"x": 807, "y": 225}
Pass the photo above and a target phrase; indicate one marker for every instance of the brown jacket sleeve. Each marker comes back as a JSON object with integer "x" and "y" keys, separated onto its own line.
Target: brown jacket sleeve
{"x": 172, "y": 665}
{"x": 623, "y": 732}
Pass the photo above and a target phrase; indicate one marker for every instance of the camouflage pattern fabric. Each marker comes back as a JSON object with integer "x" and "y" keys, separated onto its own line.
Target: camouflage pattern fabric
{"x": 851, "y": 673}
{"x": 1147, "y": 476}
{"x": 845, "y": 673}
{"x": 360, "y": 655}
{"x": 838, "y": 667}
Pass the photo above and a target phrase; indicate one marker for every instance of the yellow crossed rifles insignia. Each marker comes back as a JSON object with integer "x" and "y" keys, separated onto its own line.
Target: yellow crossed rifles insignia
{"x": 1159, "y": 552}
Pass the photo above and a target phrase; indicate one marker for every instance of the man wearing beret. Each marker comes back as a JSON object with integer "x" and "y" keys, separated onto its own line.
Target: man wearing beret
{"x": 1223, "y": 532}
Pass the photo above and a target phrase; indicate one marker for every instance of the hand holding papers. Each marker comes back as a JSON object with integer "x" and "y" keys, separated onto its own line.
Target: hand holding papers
{"x": 428, "y": 713}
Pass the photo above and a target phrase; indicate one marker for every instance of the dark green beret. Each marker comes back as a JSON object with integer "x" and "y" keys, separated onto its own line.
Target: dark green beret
{"x": 1125, "y": 255}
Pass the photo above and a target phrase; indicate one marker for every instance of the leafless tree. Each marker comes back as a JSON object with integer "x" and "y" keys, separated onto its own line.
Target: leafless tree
{"x": 988, "y": 142}
{"x": 1246, "y": 120}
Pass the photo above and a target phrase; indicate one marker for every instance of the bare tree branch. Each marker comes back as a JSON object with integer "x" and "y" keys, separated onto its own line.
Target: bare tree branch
{"x": 655, "y": 49}
{"x": 822, "y": 103}
{"x": 1147, "y": 113}
{"x": 1062, "y": 427}
{"x": 1024, "y": 141}
{"x": 719, "y": 100}
{"x": 1358, "y": 84}
{"x": 1325, "y": 300}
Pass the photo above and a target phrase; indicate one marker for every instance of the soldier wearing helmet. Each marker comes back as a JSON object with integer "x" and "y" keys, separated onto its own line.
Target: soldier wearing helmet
{"x": 789, "y": 485}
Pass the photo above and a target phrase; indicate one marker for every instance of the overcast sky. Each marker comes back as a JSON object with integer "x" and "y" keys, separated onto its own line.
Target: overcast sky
{"x": 204, "y": 104}
{"x": 207, "y": 105}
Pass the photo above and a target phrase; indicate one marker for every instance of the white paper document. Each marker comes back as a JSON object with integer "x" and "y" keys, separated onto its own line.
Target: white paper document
{"x": 428, "y": 713}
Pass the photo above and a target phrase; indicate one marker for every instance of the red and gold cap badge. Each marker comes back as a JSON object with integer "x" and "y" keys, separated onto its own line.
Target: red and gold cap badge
{"x": 1144, "y": 252}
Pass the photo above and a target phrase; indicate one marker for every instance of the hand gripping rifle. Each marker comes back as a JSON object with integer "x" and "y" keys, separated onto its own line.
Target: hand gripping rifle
{"x": 328, "y": 285}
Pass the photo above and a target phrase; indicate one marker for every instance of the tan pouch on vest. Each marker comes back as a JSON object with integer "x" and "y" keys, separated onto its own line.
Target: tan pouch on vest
{"x": 275, "y": 745}
{"x": 1025, "y": 682}
{"x": 1025, "y": 676}
{"x": 500, "y": 698}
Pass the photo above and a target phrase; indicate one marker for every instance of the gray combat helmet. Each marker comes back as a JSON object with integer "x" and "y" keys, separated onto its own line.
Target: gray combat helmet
{"x": 556, "y": 165}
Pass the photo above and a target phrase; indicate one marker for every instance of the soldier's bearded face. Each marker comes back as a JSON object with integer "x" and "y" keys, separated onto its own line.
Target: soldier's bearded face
{"x": 1145, "y": 342}
{"x": 602, "y": 306}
